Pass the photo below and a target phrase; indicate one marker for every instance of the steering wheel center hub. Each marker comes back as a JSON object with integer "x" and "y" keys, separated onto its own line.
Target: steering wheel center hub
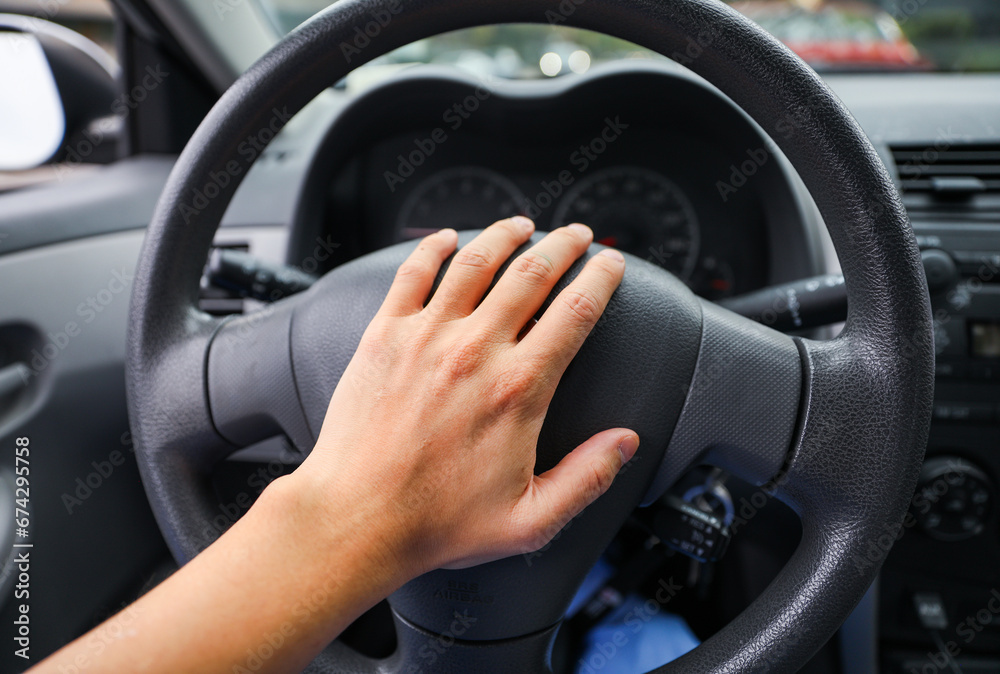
{"x": 647, "y": 340}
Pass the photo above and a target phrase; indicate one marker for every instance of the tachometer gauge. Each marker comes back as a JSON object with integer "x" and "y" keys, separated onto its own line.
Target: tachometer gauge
{"x": 638, "y": 211}
{"x": 466, "y": 197}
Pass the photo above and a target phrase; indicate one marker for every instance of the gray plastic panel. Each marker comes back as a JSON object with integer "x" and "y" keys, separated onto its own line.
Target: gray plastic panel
{"x": 250, "y": 383}
{"x": 109, "y": 199}
{"x": 743, "y": 403}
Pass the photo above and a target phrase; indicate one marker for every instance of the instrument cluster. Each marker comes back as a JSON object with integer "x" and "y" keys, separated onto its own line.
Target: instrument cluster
{"x": 633, "y": 208}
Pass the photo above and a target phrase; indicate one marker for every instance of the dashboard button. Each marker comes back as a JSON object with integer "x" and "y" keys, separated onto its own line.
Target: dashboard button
{"x": 940, "y": 270}
{"x": 952, "y": 501}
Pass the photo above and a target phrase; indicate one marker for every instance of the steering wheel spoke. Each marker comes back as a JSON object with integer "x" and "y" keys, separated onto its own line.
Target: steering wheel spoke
{"x": 179, "y": 413}
{"x": 848, "y": 446}
{"x": 171, "y": 422}
{"x": 850, "y": 441}
{"x": 250, "y": 381}
{"x": 742, "y": 403}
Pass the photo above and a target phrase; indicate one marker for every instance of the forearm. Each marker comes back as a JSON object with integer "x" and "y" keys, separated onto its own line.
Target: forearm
{"x": 276, "y": 588}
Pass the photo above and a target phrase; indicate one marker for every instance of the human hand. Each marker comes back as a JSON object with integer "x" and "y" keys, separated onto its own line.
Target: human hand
{"x": 430, "y": 435}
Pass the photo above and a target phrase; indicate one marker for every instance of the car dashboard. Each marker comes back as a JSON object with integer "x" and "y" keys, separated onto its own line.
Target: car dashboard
{"x": 663, "y": 166}
{"x": 658, "y": 163}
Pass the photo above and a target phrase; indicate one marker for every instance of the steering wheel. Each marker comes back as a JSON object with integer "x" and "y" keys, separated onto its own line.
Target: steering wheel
{"x": 835, "y": 429}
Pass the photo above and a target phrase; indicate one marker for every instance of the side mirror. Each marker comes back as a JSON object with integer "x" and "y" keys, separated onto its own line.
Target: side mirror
{"x": 54, "y": 83}
{"x": 32, "y": 120}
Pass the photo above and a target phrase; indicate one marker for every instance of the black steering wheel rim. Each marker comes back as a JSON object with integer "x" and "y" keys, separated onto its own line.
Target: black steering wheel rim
{"x": 863, "y": 401}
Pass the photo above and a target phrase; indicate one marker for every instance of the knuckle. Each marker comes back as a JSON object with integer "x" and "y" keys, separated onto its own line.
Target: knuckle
{"x": 516, "y": 383}
{"x": 475, "y": 257}
{"x": 583, "y": 303}
{"x": 378, "y": 335}
{"x": 513, "y": 389}
{"x": 462, "y": 360}
{"x": 377, "y": 352}
{"x": 524, "y": 374}
{"x": 533, "y": 266}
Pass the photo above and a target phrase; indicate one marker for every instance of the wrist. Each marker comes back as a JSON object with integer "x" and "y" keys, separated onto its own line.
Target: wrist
{"x": 336, "y": 526}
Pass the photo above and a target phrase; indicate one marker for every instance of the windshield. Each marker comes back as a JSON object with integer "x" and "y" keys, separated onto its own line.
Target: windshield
{"x": 830, "y": 35}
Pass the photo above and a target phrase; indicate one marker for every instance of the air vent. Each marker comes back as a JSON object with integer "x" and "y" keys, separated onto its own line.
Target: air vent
{"x": 955, "y": 171}
{"x": 956, "y": 182}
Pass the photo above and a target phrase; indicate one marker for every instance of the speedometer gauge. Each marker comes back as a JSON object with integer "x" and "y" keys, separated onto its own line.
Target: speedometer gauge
{"x": 638, "y": 211}
{"x": 466, "y": 197}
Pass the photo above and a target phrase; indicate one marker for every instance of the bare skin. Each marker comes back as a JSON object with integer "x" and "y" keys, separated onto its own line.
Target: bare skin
{"x": 425, "y": 460}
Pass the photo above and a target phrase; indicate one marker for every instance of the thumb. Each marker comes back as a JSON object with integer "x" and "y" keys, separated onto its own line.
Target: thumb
{"x": 560, "y": 494}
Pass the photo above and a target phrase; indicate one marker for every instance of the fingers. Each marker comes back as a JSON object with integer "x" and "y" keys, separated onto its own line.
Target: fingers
{"x": 530, "y": 278}
{"x": 564, "y": 326}
{"x": 416, "y": 275}
{"x": 472, "y": 270}
{"x": 560, "y": 494}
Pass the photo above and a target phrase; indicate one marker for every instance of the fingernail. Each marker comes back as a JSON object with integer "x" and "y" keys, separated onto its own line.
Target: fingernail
{"x": 583, "y": 229}
{"x": 613, "y": 254}
{"x": 524, "y": 222}
{"x": 627, "y": 447}
{"x": 447, "y": 232}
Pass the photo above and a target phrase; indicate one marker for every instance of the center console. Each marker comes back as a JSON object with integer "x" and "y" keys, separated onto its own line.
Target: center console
{"x": 939, "y": 591}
